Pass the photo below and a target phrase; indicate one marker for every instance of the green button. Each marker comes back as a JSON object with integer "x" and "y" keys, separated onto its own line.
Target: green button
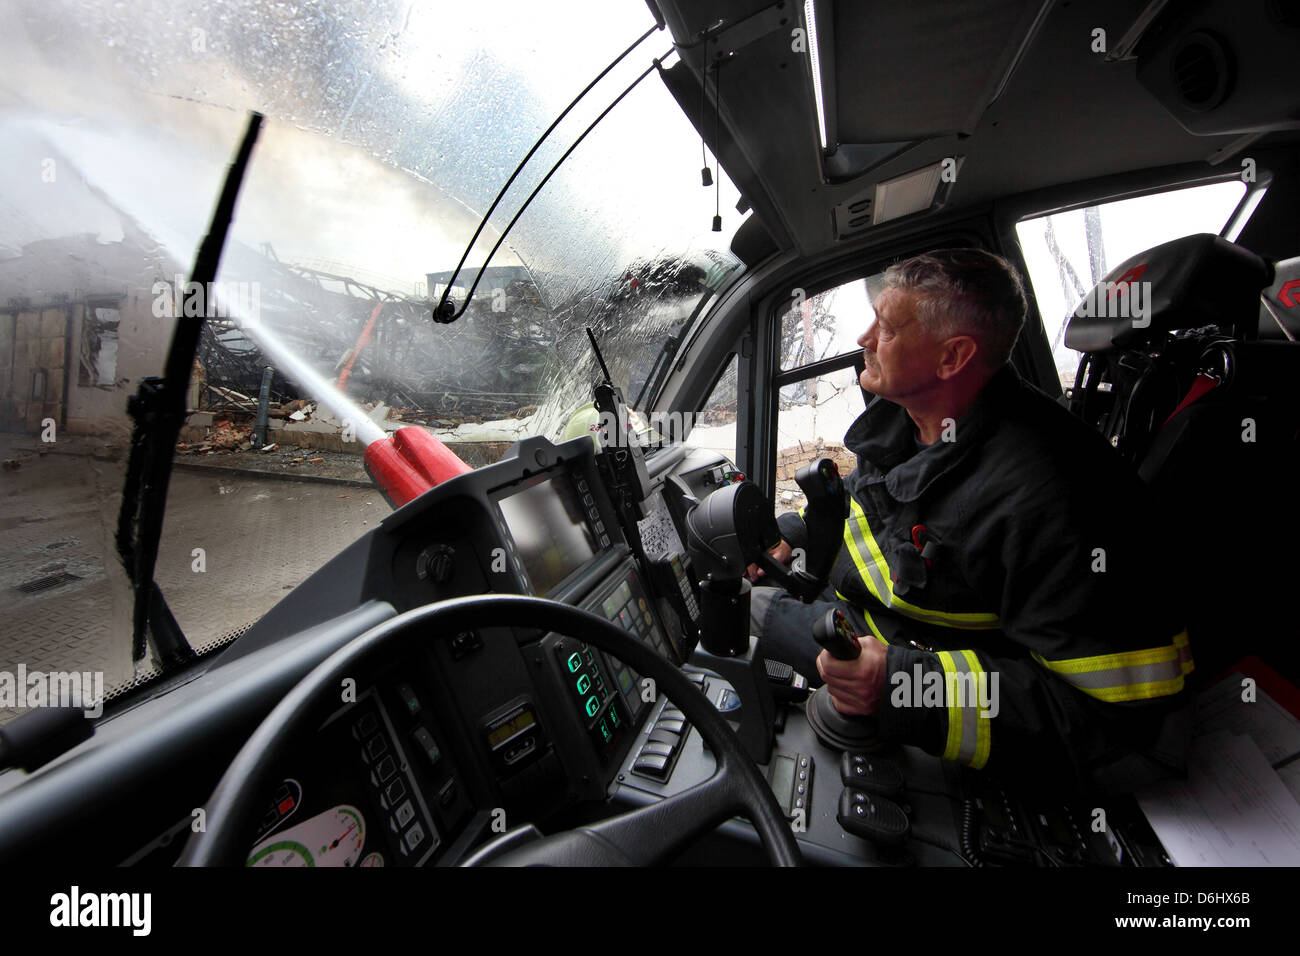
{"x": 574, "y": 662}
{"x": 605, "y": 732}
{"x": 613, "y": 717}
{"x": 584, "y": 683}
{"x": 592, "y": 706}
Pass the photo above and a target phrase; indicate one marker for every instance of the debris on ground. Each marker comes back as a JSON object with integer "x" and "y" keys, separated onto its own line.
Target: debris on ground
{"x": 12, "y": 464}
{"x": 222, "y": 435}
{"x": 274, "y": 446}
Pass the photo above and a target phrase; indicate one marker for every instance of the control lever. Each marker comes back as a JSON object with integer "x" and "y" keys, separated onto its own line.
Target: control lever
{"x": 824, "y": 517}
{"x": 839, "y": 731}
{"x": 832, "y": 631}
{"x": 725, "y": 532}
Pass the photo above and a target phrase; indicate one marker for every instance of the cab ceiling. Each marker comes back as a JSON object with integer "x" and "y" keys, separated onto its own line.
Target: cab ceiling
{"x": 1011, "y": 87}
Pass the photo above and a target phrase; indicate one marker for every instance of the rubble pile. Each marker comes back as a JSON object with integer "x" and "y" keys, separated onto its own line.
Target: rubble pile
{"x": 223, "y": 436}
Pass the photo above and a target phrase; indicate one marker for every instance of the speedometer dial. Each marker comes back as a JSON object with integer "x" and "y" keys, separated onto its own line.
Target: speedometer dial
{"x": 332, "y": 838}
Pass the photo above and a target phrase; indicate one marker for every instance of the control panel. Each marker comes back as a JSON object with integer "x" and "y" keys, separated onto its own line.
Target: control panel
{"x": 376, "y": 787}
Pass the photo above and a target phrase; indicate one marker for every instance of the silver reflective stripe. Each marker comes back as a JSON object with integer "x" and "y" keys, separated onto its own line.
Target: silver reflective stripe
{"x": 1124, "y": 676}
{"x": 967, "y": 715}
{"x": 881, "y": 588}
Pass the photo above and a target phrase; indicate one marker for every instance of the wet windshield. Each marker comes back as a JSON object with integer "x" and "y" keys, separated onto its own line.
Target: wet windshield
{"x": 390, "y": 128}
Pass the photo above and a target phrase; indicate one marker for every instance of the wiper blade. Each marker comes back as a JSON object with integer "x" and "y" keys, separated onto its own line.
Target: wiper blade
{"x": 445, "y": 312}
{"x": 158, "y": 410}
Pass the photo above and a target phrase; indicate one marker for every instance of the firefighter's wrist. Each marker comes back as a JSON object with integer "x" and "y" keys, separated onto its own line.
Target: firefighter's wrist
{"x": 902, "y": 716}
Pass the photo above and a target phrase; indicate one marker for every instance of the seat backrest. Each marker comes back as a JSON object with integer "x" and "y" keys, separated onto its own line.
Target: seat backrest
{"x": 1144, "y": 327}
{"x": 1221, "y": 465}
{"x": 1279, "y": 306}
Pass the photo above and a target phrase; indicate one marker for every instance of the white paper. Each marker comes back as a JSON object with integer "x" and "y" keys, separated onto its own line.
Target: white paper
{"x": 1264, "y": 720}
{"x": 1290, "y": 775}
{"x": 1233, "y": 810}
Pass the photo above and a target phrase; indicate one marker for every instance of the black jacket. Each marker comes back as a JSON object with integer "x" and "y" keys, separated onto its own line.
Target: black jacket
{"x": 1021, "y": 548}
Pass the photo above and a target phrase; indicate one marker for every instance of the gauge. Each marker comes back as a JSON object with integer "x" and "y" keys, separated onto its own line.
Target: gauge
{"x": 332, "y": 838}
{"x": 372, "y": 859}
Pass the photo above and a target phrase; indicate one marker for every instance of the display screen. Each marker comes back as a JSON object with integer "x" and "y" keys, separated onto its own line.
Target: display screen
{"x": 510, "y": 728}
{"x": 782, "y": 777}
{"x": 549, "y": 526}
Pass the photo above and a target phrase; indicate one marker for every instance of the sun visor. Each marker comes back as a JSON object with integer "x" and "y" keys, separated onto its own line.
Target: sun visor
{"x": 878, "y": 61}
{"x": 1187, "y": 283}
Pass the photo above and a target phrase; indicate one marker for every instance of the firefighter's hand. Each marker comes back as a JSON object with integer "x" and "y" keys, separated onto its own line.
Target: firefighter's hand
{"x": 782, "y": 552}
{"x": 855, "y": 686}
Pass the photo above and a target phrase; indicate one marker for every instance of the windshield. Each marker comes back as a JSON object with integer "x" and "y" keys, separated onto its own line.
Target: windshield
{"x": 390, "y": 128}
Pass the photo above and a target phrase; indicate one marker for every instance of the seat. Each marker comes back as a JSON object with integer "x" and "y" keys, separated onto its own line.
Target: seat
{"x": 1209, "y": 415}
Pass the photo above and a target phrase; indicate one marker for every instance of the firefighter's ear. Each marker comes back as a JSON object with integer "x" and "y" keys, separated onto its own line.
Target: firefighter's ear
{"x": 958, "y": 353}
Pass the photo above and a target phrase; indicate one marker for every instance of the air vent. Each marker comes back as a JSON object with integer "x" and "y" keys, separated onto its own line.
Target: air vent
{"x": 1201, "y": 72}
{"x": 854, "y": 214}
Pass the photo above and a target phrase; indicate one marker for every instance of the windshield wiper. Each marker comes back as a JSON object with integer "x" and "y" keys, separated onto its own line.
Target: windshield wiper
{"x": 158, "y": 410}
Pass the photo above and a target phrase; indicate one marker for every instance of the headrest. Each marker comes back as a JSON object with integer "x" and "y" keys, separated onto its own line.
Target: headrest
{"x": 1283, "y": 296}
{"x": 1184, "y": 284}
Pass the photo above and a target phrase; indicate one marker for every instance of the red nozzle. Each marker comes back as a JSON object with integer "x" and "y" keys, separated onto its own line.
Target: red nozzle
{"x": 409, "y": 462}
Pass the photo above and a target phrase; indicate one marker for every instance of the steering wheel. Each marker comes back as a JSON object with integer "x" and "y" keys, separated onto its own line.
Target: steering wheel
{"x": 647, "y": 836}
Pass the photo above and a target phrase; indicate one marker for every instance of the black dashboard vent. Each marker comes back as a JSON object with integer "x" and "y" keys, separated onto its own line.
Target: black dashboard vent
{"x": 1201, "y": 71}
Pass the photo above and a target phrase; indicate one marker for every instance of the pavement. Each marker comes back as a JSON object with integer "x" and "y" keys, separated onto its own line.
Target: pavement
{"x": 240, "y": 532}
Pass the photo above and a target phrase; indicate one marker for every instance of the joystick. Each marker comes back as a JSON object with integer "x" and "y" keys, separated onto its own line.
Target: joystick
{"x": 839, "y": 731}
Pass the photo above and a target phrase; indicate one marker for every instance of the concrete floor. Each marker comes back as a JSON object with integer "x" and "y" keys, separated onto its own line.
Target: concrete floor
{"x": 258, "y": 538}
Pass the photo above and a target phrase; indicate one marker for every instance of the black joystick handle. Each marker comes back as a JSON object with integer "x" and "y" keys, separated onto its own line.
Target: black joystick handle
{"x": 833, "y": 632}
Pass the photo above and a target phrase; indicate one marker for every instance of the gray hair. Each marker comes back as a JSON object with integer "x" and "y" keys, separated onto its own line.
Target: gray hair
{"x": 966, "y": 292}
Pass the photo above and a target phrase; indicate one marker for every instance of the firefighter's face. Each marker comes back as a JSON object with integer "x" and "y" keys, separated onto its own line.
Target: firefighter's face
{"x": 901, "y": 355}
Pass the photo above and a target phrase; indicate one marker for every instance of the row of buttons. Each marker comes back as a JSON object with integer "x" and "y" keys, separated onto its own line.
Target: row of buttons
{"x": 584, "y": 673}
{"x": 633, "y": 615}
{"x": 604, "y": 720}
{"x": 391, "y": 785}
{"x": 662, "y": 745}
{"x": 592, "y": 511}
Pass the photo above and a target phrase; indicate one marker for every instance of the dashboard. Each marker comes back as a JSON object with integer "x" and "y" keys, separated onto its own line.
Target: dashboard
{"x": 471, "y": 733}
{"x": 464, "y": 735}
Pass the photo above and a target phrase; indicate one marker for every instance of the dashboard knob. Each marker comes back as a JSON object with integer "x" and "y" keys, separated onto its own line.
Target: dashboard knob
{"x": 436, "y": 563}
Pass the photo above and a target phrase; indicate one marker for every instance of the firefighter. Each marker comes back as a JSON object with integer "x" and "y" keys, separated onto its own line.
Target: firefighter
{"x": 1016, "y": 604}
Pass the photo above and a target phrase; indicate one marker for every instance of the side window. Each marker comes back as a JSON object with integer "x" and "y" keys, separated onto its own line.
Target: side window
{"x": 827, "y": 324}
{"x": 812, "y": 417}
{"x": 815, "y": 410}
{"x": 715, "y": 425}
{"x": 1068, "y": 253}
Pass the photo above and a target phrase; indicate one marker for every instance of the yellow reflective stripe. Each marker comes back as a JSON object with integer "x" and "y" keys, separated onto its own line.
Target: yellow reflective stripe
{"x": 969, "y": 734}
{"x": 952, "y": 747}
{"x": 1183, "y": 643}
{"x": 878, "y": 578}
{"x": 870, "y": 621}
{"x": 1130, "y": 675}
{"x": 872, "y": 624}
